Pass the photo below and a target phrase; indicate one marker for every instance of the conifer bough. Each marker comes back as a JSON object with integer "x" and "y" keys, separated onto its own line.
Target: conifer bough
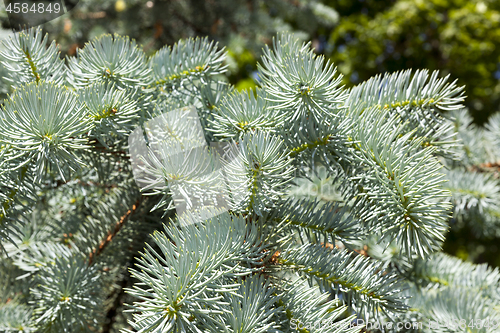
{"x": 85, "y": 225}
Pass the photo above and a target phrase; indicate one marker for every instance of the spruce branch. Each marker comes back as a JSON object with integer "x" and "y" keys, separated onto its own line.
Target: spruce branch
{"x": 403, "y": 182}
{"x": 408, "y": 91}
{"x": 259, "y": 174}
{"x": 477, "y": 143}
{"x": 329, "y": 221}
{"x": 16, "y": 317}
{"x": 182, "y": 285}
{"x": 299, "y": 82}
{"x": 321, "y": 142}
{"x": 445, "y": 270}
{"x": 486, "y": 167}
{"x": 472, "y": 190}
{"x": 355, "y": 279}
{"x": 327, "y": 143}
{"x": 35, "y": 254}
{"x": 307, "y": 309}
{"x": 44, "y": 123}
{"x": 491, "y": 131}
{"x": 243, "y": 112}
{"x": 269, "y": 260}
{"x": 252, "y": 308}
{"x": 460, "y": 309}
{"x": 418, "y": 99}
{"x": 65, "y": 297}
{"x": 110, "y": 59}
{"x": 110, "y": 210}
{"x": 8, "y": 227}
{"x": 189, "y": 58}
{"x": 114, "y": 112}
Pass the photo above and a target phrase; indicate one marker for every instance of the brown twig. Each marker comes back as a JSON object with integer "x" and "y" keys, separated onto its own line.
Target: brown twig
{"x": 489, "y": 166}
{"x": 97, "y": 251}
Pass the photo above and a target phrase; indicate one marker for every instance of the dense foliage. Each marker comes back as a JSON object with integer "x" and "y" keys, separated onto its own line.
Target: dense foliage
{"x": 300, "y": 204}
{"x": 454, "y": 36}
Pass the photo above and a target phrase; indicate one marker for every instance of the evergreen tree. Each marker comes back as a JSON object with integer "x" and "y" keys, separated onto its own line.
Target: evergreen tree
{"x": 299, "y": 206}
